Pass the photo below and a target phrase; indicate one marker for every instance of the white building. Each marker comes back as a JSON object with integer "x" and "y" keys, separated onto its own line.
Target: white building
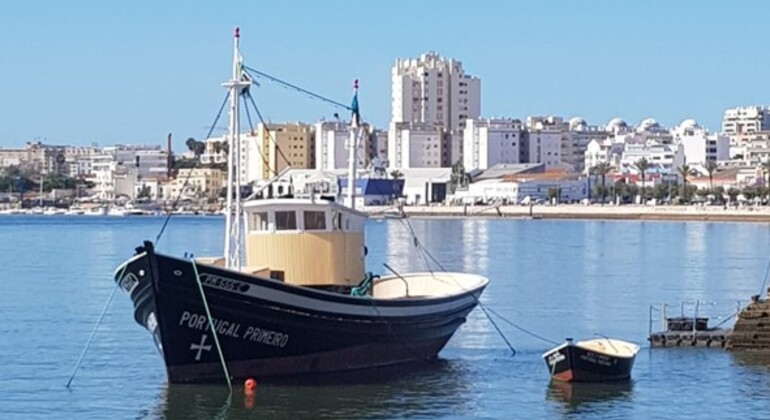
{"x": 705, "y": 147}
{"x": 216, "y": 152}
{"x": 332, "y": 139}
{"x": 575, "y": 144}
{"x": 747, "y": 119}
{"x": 432, "y": 89}
{"x": 664, "y": 158}
{"x": 524, "y": 190}
{"x": 417, "y": 145}
{"x": 127, "y": 163}
{"x": 699, "y": 145}
{"x": 542, "y": 141}
{"x": 599, "y": 151}
{"x": 79, "y": 160}
{"x": 744, "y": 125}
{"x": 757, "y": 150}
{"x": 487, "y": 142}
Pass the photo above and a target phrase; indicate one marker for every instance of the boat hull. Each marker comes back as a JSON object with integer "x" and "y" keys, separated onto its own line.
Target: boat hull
{"x": 266, "y": 328}
{"x": 572, "y": 363}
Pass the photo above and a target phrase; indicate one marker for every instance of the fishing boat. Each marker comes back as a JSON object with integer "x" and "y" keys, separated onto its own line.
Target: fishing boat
{"x": 291, "y": 295}
{"x": 597, "y": 360}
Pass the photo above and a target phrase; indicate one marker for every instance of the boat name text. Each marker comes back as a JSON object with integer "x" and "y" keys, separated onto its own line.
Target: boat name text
{"x": 598, "y": 359}
{"x": 223, "y": 283}
{"x": 225, "y": 328}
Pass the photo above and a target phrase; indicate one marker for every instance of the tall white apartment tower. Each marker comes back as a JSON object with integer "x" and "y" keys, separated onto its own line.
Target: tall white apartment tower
{"x": 433, "y": 89}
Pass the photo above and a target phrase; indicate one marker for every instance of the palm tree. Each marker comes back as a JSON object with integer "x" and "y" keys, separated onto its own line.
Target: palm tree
{"x": 711, "y": 167}
{"x": 190, "y": 143}
{"x": 684, "y": 171}
{"x": 602, "y": 169}
{"x": 642, "y": 165}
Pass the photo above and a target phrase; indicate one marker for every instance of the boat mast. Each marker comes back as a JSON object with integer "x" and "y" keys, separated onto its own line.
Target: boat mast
{"x": 234, "y": 211}
{"x": 353, "y": 147}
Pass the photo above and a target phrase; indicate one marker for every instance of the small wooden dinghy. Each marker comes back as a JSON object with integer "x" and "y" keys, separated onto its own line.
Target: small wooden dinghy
{"x": 598, "y": 360}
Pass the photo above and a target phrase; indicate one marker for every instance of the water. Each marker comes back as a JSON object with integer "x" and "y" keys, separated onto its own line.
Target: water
{"x": 556, "y": 278}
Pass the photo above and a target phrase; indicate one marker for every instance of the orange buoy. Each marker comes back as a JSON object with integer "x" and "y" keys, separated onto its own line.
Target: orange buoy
{"x": 250, "y": 384}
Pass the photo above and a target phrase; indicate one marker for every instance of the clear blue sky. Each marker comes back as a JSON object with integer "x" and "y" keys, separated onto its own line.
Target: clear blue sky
{"x": 132, "y": 71}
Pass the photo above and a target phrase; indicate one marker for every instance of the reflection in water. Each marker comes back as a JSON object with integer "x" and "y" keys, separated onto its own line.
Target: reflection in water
{"x": 695, "y": 260}
{"x": 589, "y": 397}
{"x": 444, "y": 240}
{"x": 401, "y": 391}
{"x": 475, "y": 242}
{"x": 755, "y": 380}
{"x": 755, "y": 360}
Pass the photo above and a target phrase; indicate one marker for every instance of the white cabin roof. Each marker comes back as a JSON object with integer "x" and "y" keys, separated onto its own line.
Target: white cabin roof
{"x": 297, "y": 204}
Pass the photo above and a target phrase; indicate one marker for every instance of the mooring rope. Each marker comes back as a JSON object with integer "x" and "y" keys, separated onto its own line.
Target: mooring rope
{"x": 499, "y": 331}
{"x": 189, "y": 174}
{"x": 211, "y": 325}
{"x": 426, "y": 254}
{"x": 764, "y": 281}
{"x": 96, "y": 327}
{"x": 522, "y": 329}
{"x": 483, "y": 307}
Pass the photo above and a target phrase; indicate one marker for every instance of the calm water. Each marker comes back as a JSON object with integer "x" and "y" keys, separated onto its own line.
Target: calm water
{"x": 557, "y": 278}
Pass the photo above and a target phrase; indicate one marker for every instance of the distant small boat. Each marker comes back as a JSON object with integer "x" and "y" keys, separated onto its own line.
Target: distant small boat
{"x": 117, "y": 211}
{"x": 53, "y": 211}
{"x": 598, "y": 360}
{"x": 97, "y": 211}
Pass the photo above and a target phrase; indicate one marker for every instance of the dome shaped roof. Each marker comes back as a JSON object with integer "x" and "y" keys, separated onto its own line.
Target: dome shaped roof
{"x": 649, "y": 122}
{"x": 617, "y": 122}
{"x": 577, "y": 121}
{"x": 689, "y": 123}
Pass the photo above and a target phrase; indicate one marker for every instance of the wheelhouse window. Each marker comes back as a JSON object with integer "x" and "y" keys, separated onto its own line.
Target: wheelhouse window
{"x": 285, "y": 220}
{"x": 315, "y": 220}
{"x": 259, "y": 221}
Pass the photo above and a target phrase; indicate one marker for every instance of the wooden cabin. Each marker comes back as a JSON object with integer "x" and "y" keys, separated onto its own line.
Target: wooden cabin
{"x": 305, "y": 242}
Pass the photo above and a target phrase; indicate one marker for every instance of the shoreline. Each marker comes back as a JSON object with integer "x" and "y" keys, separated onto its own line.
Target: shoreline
{"x": 581, "y": 212}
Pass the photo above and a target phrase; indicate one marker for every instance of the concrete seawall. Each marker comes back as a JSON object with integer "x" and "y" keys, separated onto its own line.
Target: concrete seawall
{"x": 593, "y": 212}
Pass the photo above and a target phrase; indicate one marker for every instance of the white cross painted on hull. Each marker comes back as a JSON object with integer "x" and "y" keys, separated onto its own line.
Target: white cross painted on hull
{"x": 200, "y": 347}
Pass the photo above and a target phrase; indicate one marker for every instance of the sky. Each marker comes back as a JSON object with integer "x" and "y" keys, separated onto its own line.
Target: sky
{"x": 111, "y": 72}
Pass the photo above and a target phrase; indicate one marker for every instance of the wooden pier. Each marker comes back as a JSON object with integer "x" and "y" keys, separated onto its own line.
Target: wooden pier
{"x": 709, "y": 338}
{"x": 687, "y": 331}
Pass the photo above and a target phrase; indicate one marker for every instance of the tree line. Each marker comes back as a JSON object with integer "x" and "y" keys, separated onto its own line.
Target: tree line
{"x": 672, "y": 191}
{"x": 17, "y": 180}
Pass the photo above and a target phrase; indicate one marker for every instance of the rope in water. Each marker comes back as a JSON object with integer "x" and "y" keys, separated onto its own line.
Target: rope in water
{"x": 96, "y": 327}
{"x": 764, "y": 281}
{"x": 211, "y": 325}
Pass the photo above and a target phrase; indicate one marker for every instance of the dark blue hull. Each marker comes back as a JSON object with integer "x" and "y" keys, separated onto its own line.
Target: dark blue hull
{"x": 268, "y": 329}
{"x": 572, "y": 363}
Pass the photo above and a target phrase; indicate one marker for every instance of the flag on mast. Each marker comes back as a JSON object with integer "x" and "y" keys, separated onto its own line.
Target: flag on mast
{"x": 355, "y": 118}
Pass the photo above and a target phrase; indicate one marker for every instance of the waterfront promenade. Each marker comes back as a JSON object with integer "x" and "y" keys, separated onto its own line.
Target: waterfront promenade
{"x": 595, "y": 211}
